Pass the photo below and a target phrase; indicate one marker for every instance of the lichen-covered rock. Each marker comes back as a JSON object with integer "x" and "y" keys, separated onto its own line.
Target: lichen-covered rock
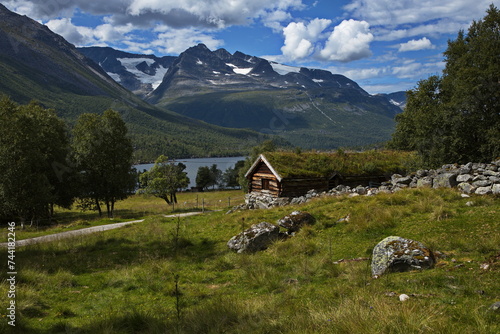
{"x": 255, "y": 238}
{"x": 296, "y": 220}
{"x": 445, "y": 180}
{"x": 466, "y": 188}
{"x": 424, "y": 182}
{"x": 483, "y": 190}
{"x": 396, "y": 254}
{"x": 464, "y": 178}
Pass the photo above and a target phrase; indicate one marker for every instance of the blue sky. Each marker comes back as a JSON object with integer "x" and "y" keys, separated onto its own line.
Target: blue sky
{"x": 384, "y": 45}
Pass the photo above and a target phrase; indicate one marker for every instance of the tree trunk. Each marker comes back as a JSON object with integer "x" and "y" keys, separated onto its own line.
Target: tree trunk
{"x": 98, "y": 207}
{"x": 166, "y": 199}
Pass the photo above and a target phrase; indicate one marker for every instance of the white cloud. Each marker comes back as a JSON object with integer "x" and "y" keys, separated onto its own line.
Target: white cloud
{"x": 175, "y": 41}
{"x": 410, "y": 69}
{"x": 415, "y": 45}
{"x": 391, "y": 13}
{"x": 349, "y": 41}
{"x": 274, "y": 19}
{"x": 365, "y": 73}
{"x": 175, "y": 13}
{"x": 406, "y": 18}
{"x": 214, "y": 13}
{"x": 83, "y": 36}
{"x": 72, "y": 33}
{"x": 300, "y": 38}
{"x": 432, "y": 29}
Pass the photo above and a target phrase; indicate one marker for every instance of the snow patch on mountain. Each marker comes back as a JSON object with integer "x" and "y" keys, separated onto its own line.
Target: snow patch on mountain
{"x": 131, "y": 65}
{"x": 284, "y": 69}
{"x": 239, "y": 70}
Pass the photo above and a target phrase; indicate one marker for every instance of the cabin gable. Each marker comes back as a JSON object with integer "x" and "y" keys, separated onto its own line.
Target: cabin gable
{"x": 262, "y": 179}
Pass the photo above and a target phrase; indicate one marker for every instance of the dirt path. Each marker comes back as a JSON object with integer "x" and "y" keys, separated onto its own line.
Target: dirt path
{"x": 84, "y": 231}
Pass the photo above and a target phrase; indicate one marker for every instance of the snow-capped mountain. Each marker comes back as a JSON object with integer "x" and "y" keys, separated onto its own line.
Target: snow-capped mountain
{"x": 311, "y": 108}
{"x": 140, "y": 74}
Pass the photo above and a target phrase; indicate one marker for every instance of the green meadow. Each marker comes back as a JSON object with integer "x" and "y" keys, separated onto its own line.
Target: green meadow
{"x": 176, "y": 275}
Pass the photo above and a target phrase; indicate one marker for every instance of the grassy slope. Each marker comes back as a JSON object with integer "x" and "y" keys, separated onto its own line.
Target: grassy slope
{"x": 124, "y": 281}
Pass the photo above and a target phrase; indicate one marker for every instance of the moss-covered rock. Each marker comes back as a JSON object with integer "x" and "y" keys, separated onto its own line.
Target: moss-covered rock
{"x": 255, "y": 238}
{"x": 396, "y": 254}
{"x": 296, "y": 220}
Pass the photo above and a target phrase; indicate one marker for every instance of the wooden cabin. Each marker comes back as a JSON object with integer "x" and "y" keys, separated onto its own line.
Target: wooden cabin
{"x": 286, "y": 174}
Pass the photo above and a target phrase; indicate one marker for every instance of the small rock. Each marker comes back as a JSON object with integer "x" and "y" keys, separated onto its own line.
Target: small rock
{"x": 481, "y": 183}
{"x": 425, "y": 182}
{"x": 483, "y": 191}
{"x": 464, "y": 178}
{"x": 403, "y": 297}
{"x": 345, "y": 219}
{"x": 495, "y": 307}
{"x": 484, "y": 266}
{"x": 296, "y": 220}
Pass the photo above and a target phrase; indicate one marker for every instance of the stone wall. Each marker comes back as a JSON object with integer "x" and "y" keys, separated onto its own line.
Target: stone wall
{"x": 471, "y": 178}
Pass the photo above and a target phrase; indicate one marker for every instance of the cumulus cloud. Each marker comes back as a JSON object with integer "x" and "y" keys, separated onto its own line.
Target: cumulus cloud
{"x": 175, "y": 41}
{"x": 72, "y": 33}
{"x": 300, "y": 38}
{"x": 349, "y": 41}
{"x": 415, "y": 45}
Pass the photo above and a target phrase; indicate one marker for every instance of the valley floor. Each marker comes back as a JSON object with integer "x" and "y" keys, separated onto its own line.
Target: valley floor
{"x": 176, "y": 275}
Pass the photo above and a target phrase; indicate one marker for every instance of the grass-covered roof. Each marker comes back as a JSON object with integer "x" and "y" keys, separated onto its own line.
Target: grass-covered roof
{"x": 314, "y": 164}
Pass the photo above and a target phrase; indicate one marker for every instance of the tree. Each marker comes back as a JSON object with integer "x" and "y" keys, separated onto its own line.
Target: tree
{"x": 230, "y": 177}
{"x": 215, "y": 176}
{"x": 455, "y": 118}
{"x": 208, "y": 176}
{"x": 203, "y": 177}
{"x": 102, "y": 155}
{"x": 164, "y": 179}
{"x": 33, "y": 171}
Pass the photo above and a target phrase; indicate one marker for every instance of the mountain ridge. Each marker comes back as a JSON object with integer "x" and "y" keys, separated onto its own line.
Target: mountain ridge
{"x": 37, "y": 64}
{"x": 311, "y": 108}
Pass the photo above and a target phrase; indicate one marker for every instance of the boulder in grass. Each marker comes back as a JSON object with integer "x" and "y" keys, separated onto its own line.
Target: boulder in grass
{"x": 396, "y": 254}
{"x": 257, "y": 237}
{"x": 296, "y": 220}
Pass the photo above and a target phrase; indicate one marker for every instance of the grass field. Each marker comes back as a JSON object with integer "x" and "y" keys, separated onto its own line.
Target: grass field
{"x": 134, "y": 207}
{"x": 168, "y": 275}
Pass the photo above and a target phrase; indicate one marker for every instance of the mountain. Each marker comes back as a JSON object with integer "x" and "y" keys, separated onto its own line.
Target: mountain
{"x": 396, "y": 98}
{"x": 310, "y": 108}
{"x": 36, "y": 63}
{"x": 140, "y": 74}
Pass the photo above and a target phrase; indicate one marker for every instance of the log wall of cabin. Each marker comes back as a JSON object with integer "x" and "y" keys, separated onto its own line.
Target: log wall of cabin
{"x": 262, "y": 172}
{"x": 299, "y": 187}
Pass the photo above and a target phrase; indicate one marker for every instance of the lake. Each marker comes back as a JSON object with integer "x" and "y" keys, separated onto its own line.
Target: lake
{"x": 192, "y": 165}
